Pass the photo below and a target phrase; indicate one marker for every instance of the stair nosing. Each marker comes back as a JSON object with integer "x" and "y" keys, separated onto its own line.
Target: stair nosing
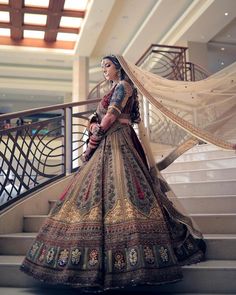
{"x": 213, "y": 214}
{"x": 196, "y": 170}
{"x": 201, "y": 160}
{"x": 204, "y": 181}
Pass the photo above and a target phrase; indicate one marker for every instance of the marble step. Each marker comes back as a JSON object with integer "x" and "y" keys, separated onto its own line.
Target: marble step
{"x": 201, "y": 204}
{"x": 200, "y": 175}
{"x": 220, "y": 247}
{"x": 206, "y": 148}
{"x": 216, "y": 223}
{"x": 208, "y": 204}
{"x": 228, "y": 162}
{"x": 16, "y": 243}
{"x": 19, "y": 243}
{"x": 208, "y": 223}
{"x": 213, "y": 276}
{"x": 206, "y": 155}
{"x": 203, "y": 188}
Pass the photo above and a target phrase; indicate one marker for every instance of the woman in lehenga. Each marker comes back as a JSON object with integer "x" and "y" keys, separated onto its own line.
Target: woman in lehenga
{"x": 114, "y": 226}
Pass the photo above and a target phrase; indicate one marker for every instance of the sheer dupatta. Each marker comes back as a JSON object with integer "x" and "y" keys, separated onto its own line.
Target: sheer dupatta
{"x": 217, "y": 92}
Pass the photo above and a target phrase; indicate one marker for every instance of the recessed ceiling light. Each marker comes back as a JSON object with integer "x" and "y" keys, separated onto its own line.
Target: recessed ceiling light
{"x": 226, "y": 13}
{"x": 75, "y": 4}
{"x": 33, "y": 34}
{"x": 5, "y": 32}
{"x": 71, "y": 22}
{"x": 37, "y": 19}
{"x": 67, "y": 37}
{"x": 229, "y": 36}
{"x": 222, "y": 63}
{"x": 39, "y": 3}
{"x": 222, "y": 48}
{"x": 4, "y": 16}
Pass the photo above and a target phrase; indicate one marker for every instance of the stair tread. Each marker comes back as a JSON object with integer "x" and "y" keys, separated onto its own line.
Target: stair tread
{"x": 19, "y": 235}
{"x": 204, "y": 181}
{"x": 210, "y": 197}
{"x": 207, "y": 196}
{"x": 213, "y": 264}
{"x": 197, "y": 170}
{"x": 11, "y": 259}
{"x": 219, "y": 236}
{"x": 180, "y": 160}
{"x": 212, "y": 214}
{"x": 35, "y": 215}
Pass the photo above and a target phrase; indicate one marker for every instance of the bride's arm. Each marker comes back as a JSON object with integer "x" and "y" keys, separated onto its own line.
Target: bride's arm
{"x": 118, "y": 100}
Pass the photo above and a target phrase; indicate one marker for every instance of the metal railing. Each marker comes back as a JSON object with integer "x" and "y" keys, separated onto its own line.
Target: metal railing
{"x": 46, "y": 148}
{"x": 171, "y": 63}
{"x": 41, "y": 150}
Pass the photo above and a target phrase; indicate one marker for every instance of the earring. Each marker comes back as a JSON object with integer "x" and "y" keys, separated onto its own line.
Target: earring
{"x": 119, "y": 74}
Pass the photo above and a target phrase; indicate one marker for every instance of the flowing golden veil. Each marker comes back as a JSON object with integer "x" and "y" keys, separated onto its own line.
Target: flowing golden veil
{"x": 212, "y": 101}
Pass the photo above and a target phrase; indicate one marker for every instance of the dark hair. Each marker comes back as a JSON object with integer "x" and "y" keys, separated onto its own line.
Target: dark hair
{"x": 135, "y": 114}
{"x": 115, "y": 61}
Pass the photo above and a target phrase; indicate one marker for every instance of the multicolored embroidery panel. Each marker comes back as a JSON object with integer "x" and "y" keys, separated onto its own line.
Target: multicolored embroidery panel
{"x": 90, "y": 258}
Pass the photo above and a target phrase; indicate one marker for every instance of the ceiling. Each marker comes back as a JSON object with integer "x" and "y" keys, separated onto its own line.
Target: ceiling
{"x": 126, "y": 27}
{"x": 41, "y": 23}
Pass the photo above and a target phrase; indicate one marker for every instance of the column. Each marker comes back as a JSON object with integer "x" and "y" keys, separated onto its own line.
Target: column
{"x": 80, "y": 86}
{"x": 80, "y": 79}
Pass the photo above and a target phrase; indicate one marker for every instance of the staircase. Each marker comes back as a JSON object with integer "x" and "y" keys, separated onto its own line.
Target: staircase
{"x": 204, "y": 179}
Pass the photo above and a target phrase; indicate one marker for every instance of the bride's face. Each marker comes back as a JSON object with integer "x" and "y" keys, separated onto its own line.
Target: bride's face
{"x": 109, "y": 70}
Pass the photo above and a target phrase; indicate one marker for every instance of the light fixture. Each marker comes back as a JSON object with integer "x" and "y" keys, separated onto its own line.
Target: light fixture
{"x": 67, "y": 36}
{"x": 222, "y": 48}
{"x": 5, "y": 32}
{"x": 75, "y": 4}
{"x": 70, "y": 22}
{"x": 34, "y": 34}
{"x": 37, "y": 19}
{"x": 4, "y": 16}
{"x": 38, "y": 3}
{"x": 222, "y": 63}
{"x": 226, "y": 13}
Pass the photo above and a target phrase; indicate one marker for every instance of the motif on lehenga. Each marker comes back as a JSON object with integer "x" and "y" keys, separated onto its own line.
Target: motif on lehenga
{"x": 133, "y": 257}
{"x": 110, "y": 193}
{"x": 76, "y": 256}
{"x": 138, "y": 190}
{"x": 90, "y": 193}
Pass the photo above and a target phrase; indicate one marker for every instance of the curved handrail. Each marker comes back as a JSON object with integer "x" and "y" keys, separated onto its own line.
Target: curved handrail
{"x": 35, "y": 154}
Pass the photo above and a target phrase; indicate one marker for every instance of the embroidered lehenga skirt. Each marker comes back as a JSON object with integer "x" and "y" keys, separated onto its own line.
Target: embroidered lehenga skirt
{"x": 111, "y": 229}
